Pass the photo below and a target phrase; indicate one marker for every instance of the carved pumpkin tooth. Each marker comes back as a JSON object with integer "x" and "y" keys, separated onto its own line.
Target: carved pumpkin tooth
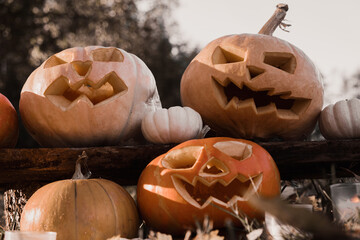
{"x": 201, "y": 193}
{"x": 268, "y": 108}
{"x": 235, "y": 103}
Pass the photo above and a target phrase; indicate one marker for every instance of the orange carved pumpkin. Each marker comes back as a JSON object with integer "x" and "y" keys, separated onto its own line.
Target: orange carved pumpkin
{"x": 254, "y": 86}
{"x": 197, "y": 177}
{"x": 88, "y": 96}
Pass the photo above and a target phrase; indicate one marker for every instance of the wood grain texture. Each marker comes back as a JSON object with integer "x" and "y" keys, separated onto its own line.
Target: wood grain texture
{"x": 123, "y": 164}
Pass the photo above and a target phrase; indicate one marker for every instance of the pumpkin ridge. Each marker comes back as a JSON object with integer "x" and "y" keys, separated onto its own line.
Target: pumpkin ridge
{"x": 112, "y": 203}
{"x": 170, "y": 125}
{"x": 326, "y": 128}
{"x": 54, "y": 186}
{"x": 337, "y": 118}
{"x": 148, "y": 132}
{"x": 159, "y": 126}
{"x": 133, "y": 97}
{"x": 168, "y": 132}
{"x": 354, "y": 116}
{"x": 352, "y": 119}
{"x": 48, "y": 126}
{"x": 158, "y": 135}
{"x": 76, "y": 214}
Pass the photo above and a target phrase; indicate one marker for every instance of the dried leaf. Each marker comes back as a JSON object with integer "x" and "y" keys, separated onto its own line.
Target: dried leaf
{"x": 213, "y": 235}
{"x": 357, "y": 177}
{"x": 120, "y": 238}
{"x": 254, "y": 234}
{"x": 159, "y": 236}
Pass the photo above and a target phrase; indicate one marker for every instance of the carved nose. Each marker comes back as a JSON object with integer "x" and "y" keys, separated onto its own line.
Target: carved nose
{"x": 82, "y": 68}
{"x": 214, "y": 167}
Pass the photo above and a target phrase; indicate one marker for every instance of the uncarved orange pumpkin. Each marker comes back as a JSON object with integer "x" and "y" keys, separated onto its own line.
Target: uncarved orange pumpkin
{"x": 88, "y": 96}
{"x": 81, "y": 209}
{"x": 254, "y": 86}
{"x": 205, "y": 177}
{"x": 9, "y": 124}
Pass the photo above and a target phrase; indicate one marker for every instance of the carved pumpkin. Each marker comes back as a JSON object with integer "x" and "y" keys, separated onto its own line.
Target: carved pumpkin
{"x": 174, "y": 125}
{"x": 88, "y": 96}
{"x": 81, "y": 209}
{"x": 254, "y": 86}
{"x": 198, "y": 177}
{"x": 341, "y": 120}
{"x": 9, "y": 125}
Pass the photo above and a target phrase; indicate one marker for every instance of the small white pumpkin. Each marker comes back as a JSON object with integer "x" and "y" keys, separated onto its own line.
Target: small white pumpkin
{"x": 174, "y": 125}
{"x": 341, "y": 120}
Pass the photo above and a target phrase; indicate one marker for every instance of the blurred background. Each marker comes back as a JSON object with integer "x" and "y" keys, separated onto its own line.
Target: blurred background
{"x": 167, "y": 34}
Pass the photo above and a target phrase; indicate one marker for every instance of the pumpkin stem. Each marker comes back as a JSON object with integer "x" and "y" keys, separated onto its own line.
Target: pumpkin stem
{"x": 203, "y": 132}
{"x": 276, "y": 20}
{"x": 81, "y": 162}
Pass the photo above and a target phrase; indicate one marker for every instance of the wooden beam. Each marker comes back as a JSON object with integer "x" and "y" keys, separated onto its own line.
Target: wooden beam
{"x": 123, "y": 164}
{"x": 314, "y": 159}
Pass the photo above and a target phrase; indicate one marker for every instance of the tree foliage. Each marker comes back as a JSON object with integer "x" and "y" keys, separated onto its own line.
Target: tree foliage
{"x": 31, "y": 31}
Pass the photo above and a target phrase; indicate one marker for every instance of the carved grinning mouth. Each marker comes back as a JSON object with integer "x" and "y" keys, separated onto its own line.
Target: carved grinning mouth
{"x": 231, "y": 95}
{"x": 63, "y": 95}
{"x": 201, "y": 193}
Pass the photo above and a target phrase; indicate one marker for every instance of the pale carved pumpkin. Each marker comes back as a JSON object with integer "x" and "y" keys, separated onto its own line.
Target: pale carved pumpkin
{"x": 88, "y": 96}
{"x": 341, "y": 120}
{"x": 205, "y": 177}
{"x": 174, "y": 125}
{"x": 81, "y": 209}
{"x": 254, "y": 86}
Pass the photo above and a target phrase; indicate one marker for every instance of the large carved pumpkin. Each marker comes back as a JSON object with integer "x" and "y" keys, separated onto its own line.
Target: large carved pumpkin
{"x": 199, "y": 177}
{"x": 254, "y": 85}
{"x": 81, "y": 209}
{"x": 88, "y": 96}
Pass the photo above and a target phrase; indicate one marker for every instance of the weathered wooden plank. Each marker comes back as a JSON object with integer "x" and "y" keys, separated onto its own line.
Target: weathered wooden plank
{"x": 305, "y": 159}
{"x": 123, "y": 164}
{"x": 33, "y": 167}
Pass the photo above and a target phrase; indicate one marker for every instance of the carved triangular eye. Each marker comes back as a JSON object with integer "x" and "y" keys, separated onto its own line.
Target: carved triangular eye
{"x": 254, "y": 71}
{"x": 223, "y": 56}
{"x": 234, "y": 149}
{"x": 214, "y": 167}
{"x": 53, "y": 61}
{"x": 182, "y": 158}
{"x": 107, "y": 55}
{"x": 283, "y": 61}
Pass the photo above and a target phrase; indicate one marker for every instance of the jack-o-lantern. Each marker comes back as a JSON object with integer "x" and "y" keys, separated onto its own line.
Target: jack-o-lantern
{"x": 88, "y": 96}
{"x": 205, "y": 177}
{"x": 254, "y": 85}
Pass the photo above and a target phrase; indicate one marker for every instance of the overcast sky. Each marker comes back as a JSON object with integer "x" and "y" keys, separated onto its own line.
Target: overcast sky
{"x": 328, "y": 31}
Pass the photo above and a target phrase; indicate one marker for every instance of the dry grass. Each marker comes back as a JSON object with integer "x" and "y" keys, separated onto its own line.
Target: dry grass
{"x": 314, "y": 192}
